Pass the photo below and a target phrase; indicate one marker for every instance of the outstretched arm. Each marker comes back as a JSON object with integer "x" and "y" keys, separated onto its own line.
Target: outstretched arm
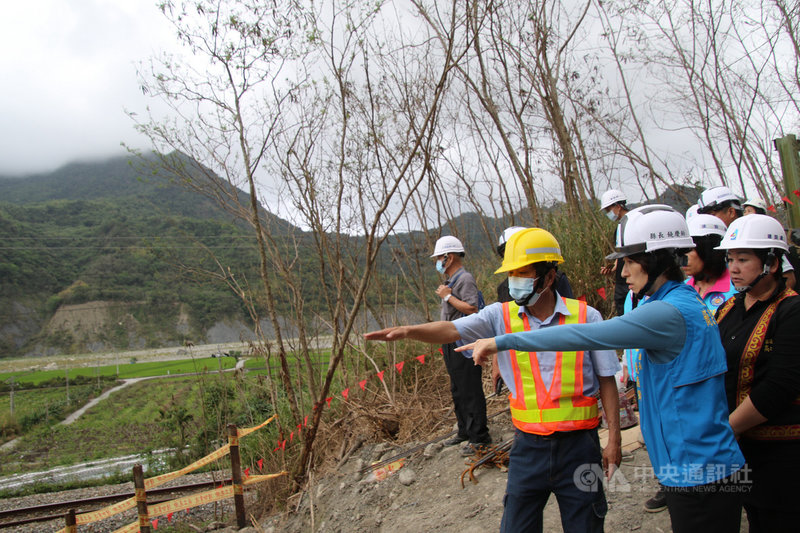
{"x": 441, "y": 332}
{"x": 655, "y": 326}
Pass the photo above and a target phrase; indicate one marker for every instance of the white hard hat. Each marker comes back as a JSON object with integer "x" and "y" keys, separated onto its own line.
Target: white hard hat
{"x": 715, "y": 196}
{"x": 754, "y": 232}
{"x": 447, "y": 245}
{"x": 649, "y": 228}
{"x": 611, "y": 197}
{"x": 507, "y": 233}
{"x": 701, "y": 225}
{"x": 758, "y": 203}
{"x": 691, "y": 212}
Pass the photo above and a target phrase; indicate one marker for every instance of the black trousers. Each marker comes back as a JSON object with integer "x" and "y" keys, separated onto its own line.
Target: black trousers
{"x": 772, "y": 501}
{"x": 467, "y": 390}
{"x": 711, "y": 508}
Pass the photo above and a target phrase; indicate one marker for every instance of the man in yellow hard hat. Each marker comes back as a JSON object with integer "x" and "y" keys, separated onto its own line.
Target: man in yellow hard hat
{"x": 552, "y": 394}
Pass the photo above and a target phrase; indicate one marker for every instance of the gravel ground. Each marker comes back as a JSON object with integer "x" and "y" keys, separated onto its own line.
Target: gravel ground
{"x": 426, "y": 495}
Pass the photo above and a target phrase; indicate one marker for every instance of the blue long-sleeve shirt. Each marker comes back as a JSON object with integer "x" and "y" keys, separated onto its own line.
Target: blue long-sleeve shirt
{"x": 657, "y": 327}
{"x": 488, "y": 322}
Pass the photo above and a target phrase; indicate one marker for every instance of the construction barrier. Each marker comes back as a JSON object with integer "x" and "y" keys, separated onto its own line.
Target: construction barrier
{"x": 186, "y": 502}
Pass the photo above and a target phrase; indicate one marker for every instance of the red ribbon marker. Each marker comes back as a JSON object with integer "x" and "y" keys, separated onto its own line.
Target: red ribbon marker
{"x": 247, "y": 472}
{"x": 772, "y": 208}
{"x": 602, "y": 292}
{"x": 345, "y": 392}
{"x": 260, "y": 464}
{"x": 440, "y": 351}
{"x": 305, "y": 421}
{"x": 363, "y": 384}
{"x": 328, "y": 399}
{"x": 399, "y": 367}
{"x": 421, "y": 359}
{"x": 796, "y": 192}
{"x": 582, "y": 298}
{"x": 169, "y": 517}
{"x": 786, "y": 199}
{"x": 291, "y": 437}
{"x": 380, "y": 375}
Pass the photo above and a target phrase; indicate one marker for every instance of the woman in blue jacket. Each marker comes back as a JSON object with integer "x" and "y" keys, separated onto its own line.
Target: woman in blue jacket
{"x": 681, "y": 383}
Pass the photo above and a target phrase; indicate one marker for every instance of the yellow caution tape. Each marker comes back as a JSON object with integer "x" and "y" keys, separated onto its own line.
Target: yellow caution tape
{"x": 251, "y": 480}
{"x": 187, "y": 502}
{"x": 130, "y": 528}
{"x": 247, "y": 431}
{"x": 106, "y": 512}
{"x": 153, "y": 482}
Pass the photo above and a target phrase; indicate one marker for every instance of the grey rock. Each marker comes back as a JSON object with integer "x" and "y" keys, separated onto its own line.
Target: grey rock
{"x": 432, "y": 449}
{"x": 407, "y": 476}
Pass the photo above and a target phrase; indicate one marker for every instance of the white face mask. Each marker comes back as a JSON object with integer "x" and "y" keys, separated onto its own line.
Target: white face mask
{"x": 440, "y": 268}
{"x": 521, "y": 289}
{"x": 612, "y": 216}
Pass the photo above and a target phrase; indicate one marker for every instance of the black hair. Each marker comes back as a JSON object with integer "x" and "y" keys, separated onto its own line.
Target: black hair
{"x": 720, "y": 206}
{"x": 768, "y": 256}
{"x": 659, "y": 262}
{"x": 501, "y": 250}
{"x": 714, "y": 261}
{"x": 543, "y": 267}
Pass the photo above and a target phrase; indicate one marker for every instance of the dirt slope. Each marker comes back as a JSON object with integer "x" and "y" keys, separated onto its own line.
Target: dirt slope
{"x": 426, "y": 495}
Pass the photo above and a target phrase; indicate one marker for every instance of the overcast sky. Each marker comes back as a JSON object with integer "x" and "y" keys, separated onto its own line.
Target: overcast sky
{"x": 69, "y": 72}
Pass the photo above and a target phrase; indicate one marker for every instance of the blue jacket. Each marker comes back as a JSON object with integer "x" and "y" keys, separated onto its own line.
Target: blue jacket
{"x": 683, "y": 404}
{"x": 681, "y": 383}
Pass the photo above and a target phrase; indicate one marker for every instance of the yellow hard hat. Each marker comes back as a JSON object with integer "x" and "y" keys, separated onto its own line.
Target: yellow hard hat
{"x": 532, "y": 245}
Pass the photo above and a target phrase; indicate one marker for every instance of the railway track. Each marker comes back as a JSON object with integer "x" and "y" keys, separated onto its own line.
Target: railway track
{"x": 23, "y": 516}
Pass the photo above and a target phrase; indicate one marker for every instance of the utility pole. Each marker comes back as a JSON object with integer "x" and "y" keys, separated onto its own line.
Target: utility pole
{"x": 789, "y": 152}
{"x": 11, "y": 399}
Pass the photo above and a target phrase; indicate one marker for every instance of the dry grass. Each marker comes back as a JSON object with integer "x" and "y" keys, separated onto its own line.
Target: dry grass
{"x": 418, "y": 406}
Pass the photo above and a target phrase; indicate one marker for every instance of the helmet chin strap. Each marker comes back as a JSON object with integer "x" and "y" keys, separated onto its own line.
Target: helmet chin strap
{"x": 764, "y": 273}
{"x": 651, "y": 279}
{"x": 753, "y": 283}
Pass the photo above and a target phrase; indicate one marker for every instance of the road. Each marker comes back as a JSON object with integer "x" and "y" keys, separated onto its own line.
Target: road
{"x": 75, "y": 415}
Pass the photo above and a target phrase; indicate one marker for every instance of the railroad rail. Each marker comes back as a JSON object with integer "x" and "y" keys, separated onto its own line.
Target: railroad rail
{"x": 87, "y": 504}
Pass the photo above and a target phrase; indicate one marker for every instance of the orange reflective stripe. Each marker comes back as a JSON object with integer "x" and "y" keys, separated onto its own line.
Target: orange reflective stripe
{"x": 519, "y": 401}
{"x": 579, "y": 400}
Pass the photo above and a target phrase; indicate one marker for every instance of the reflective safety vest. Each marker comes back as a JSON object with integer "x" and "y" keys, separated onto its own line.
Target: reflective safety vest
{"x": 562, "y": 406}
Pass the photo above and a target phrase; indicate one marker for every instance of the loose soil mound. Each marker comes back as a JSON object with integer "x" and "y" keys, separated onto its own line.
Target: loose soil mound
{"x": 426, "y": 494}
